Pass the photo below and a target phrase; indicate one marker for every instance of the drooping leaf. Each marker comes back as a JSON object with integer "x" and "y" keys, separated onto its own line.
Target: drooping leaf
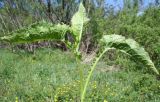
{"x": 130, "y": 47}
{"x": 37, "y": 32}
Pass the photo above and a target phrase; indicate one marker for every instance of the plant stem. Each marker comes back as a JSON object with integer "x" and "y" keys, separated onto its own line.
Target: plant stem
{"x": 81, "y": 80}
{"x": 90, "y": 73}
{"x": 81, "y": 76}
{"x": 79, "y": 38}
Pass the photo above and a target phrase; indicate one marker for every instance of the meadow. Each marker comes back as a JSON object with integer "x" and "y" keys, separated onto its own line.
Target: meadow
{"x": 51, "y": 75}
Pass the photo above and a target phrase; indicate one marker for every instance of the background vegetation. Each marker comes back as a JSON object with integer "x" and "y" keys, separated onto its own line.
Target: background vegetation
{"x": 42, "y": 76}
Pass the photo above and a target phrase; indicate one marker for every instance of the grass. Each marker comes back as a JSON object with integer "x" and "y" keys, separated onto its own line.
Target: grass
{"x": 51, "y": 75}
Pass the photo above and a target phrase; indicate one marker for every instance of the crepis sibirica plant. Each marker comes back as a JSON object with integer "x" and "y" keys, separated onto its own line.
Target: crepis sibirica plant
{"x": 46, "y": 31}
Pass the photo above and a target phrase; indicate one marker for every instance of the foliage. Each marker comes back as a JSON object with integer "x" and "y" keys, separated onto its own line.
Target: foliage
{"x": 45, "y": 31}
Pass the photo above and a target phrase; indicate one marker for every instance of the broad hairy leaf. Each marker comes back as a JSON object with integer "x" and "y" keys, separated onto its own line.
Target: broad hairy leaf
{"x": 130, "y": 47}
{"x": 77, "y": 23}
{"x": 78, "y": 20}
{"x": 37, "y": 32}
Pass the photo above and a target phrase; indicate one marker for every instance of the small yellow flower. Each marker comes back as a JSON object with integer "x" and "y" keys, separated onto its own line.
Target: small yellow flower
{"x": 105, "y": 101}
{"x": 16, "y": 99}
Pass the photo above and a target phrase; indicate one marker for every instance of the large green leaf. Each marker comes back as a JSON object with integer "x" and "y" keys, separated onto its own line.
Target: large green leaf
{"x": 78, "y": 20}
{"x": 37, "y": 32}
{"x": 130, "y": 47}
{"x": 77, "y": 23}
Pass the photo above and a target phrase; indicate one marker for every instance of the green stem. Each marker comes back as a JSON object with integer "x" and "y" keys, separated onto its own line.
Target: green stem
{"x": 80, "y": 75}
{"x": 81, "y": 79}
{"x": 79, "y": 39}
{"x": 90, "y": 73}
